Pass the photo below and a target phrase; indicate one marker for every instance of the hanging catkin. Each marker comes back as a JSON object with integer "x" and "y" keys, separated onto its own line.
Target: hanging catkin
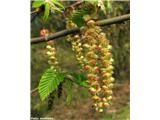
{"x": 98, "y": 65}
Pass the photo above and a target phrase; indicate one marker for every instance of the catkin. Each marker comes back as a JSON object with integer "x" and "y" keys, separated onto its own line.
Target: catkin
{"x": 76, "y": 43}
{"x": 50, "y": 50}
{"x": 98, "y": 65}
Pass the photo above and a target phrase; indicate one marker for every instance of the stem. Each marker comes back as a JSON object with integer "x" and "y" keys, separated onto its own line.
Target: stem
{"x": 65, "y": 32}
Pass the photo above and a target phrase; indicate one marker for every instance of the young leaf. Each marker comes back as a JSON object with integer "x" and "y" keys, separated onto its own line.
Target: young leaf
{"x": 38, "y": 3}
{"x": 47, "y": 10}
{"x": 77, "y": 17}
{"x": 109, "y": 5}
{"x": 69, "y": 92}
{"x": 49, "y": 82}
{"x": 58, "y": 3}
{"x": 80, "y": 79}
{"x": 101, "y": 5}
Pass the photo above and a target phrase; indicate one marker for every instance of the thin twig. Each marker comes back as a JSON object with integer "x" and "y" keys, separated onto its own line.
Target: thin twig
{"x": 77, "y": 3}
{"x": 34, "y": 90}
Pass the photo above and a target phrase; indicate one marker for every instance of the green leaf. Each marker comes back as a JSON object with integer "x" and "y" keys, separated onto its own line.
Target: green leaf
{"x": 102, "y": 6}
{"x": 77, "y": 17}
{"x": 80, "y": 79}
{"x": 37, "y": 4}
{"x": 58, "y": 3}
{"x": 108, "y": 5}
{"x": 69, "y": 92}
{"x": 99, "y": 3}
{"x": 54, "y": 8}
{"x": 47, "y": 11}
{"x": 49, "y": 82}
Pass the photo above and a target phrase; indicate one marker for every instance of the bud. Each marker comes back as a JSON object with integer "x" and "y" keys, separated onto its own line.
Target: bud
{"x": 100, "y": 104}
{"x": 86, "y": 17}
{"x": 76, "y": 36}
{"x": 104, "y": 99}
{"x": 110, "y": 85}
{"x": 104, "y": 50}
{"x": 95, "y": 84}
{"x": 96, "y": 70}
{"x": 56, "y": 63}
{"x": 87, "y": 67}
{"x": 106, "y": 104}
{"x": 109, "y": 47}
{"x": 96, "y": 98}
{"x": 111, "y": 60}
{"x": 90, "y": 76}
{"x": 104, "y": 87}
{"x": 48, "y": 47}
{"x": 106, "y": 75}
{"x": 109, "y": 92}
{"x": 109, "y": 98}
{"x": 100, "y": 110}
{"x": 92, "y": 90}
{"x": 103, "y": 34}
{"x": 52, "y": 58}
{"x": 49, "y": 53}
{"x": 50, "y": 42}
{"x": 92, "y": 62}
{"x": 112, "y": 79}
{"x": 110, "y": 67}
{"x": 53, "y": 49}
{"x": 86, "y": 46}
{"x": 95, "y": 105}
{"x": 91, "y": 23}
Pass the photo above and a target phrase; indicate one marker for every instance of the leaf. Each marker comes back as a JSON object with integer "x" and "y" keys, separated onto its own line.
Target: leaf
{"x": 80, "y": 79}
{"x": 54, "y": 8}
{"x": 37, "y": 4}
{"x": 69, "y": 92}
{"x": 99, "y": 3}
{"x": 49, "y": 82}
{"x": 46, "y": 12}
{"x": 58, "y": 3}
{"x": 109, "y": 5}
{"x": 77, "y": 17}
{"x": 102, "y": 6}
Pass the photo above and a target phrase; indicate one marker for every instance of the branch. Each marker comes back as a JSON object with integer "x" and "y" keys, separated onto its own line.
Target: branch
{"x": 77, "y": 3}
{"x": 65, "y": 32}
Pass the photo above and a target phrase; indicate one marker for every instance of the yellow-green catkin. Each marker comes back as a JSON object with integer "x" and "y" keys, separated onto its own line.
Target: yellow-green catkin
{"x": 98, "y": 65}
{"x": 51, "y": 53}
{"x": 76, "y": 43}
{"x": 50, "y": 50}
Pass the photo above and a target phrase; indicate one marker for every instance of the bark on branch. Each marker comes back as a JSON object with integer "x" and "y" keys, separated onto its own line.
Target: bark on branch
{"x": 65, "y": 32}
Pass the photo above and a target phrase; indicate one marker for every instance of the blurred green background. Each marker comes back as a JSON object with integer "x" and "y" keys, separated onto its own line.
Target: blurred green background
{"x": 80, "y": 106}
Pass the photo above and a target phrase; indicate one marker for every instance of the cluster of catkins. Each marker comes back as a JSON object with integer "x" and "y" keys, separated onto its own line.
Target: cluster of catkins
{"x": 98, "y": 65}
{"x": 51, "y": 51}
{"x": 76, "y": 43}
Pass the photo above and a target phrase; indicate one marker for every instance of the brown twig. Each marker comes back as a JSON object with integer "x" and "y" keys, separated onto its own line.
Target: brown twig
{"x": 77, "y": 3}
{"x": 65, "y": 32}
